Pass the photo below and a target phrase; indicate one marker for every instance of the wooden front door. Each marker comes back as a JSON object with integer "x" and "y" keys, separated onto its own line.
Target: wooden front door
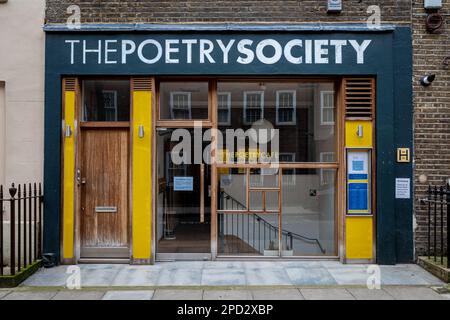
{"x": 104, "y": 183}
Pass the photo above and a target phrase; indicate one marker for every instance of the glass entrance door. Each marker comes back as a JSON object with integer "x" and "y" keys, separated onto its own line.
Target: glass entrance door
{"x": 184, "y": 205}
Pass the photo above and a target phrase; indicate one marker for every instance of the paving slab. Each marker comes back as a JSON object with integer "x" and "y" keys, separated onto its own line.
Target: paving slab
{"x": 314, "y": 276}
{"x": 227, "y": 295}
{"x": 368, "y": 294}
{"x": 301, "y": 264}
{"x": 180, "y": 277}
{"x": 224, "y": 264}
{"x": 4, "y": 293}
{"x": 182, "y": 265}
{"x": 413, "y": 293}
{"x": 277, "y": 294}
{"x": 52, "y": 277}
{"x": 96, "y": 275}
{"x": 349, "y": 276}
{"x": 425, "y": 275}
{"x": 268, "y": 276}
{"x": 223, "y": 277}
{"x": 326, "y": 294}
{"x": 400, "y": 276}
{"x": 78, "y": 295}
{"x": 128, "y": 295}
{"x": 137, "y": 276}
{"x": 30, "y": 295}
{"x": 168, "y": 294}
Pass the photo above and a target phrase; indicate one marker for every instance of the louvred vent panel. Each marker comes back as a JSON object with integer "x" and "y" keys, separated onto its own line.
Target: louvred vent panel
{"x": 70, "y": 84}
{"x": 359, "y": 96}
{"x": 143, "y": 84}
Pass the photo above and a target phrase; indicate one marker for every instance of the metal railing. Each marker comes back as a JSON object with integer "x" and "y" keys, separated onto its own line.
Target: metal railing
{"x": 254, "y": 230}
{"x": 438, "y": 208}
{"x": 21, "y": 213}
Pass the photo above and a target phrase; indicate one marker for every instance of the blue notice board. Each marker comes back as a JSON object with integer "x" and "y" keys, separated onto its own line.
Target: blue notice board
{"x": 183, "y": 183}
{"x": 358, "y": 197}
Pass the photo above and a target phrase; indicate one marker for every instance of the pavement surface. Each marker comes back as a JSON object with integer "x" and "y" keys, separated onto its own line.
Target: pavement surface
{"x": 266, "y": 294}
{"x": 232, "y": 273}
{"x": 230, "y": 280}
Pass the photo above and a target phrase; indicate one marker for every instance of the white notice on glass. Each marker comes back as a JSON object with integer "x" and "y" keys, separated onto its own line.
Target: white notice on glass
{"x": 402, "y": 188}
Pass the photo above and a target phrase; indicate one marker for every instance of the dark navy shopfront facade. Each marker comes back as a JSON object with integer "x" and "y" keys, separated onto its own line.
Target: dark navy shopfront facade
{"x": 152, "y": 58}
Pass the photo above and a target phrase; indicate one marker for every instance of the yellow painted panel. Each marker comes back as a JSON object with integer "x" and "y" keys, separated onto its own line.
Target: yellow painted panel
{"x": 359, "y": 237}
{"x": 69, "y": 177}
{"x": 142, "y": 175}
{"x": 352, "y": 140}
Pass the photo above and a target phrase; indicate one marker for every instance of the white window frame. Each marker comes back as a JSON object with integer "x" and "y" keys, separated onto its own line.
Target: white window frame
{"x": 114, "y": 107}
{"x": 228, "y": 94}
{"x": 261, "y": 94}
{"x": 321, "y": 157}
{"x": 288, "y": 180}
{"x": 322, "y": 108}
{"x": 294, "y": 107}
{"x": 172, "y": 94}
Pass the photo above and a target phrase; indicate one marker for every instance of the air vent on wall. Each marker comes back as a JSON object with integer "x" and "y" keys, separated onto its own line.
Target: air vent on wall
{"x": 142, "y": 84}
{"x": 359, "y": 97}
{"x": 69, "y": 84}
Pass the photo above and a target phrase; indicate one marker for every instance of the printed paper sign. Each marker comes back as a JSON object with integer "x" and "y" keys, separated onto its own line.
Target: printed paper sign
{"x": 358, "y": 162}
{"x": 183, "y": 183}
{"x": 402, "y": 188}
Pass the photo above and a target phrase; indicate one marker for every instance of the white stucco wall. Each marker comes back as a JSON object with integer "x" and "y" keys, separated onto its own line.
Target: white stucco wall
{"x": 22, "y": 76}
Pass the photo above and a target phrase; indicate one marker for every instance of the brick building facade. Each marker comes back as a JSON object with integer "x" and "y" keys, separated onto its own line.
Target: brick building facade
{"x": 210, "y": 11}
{"x": 431, "y": 112}
{"x": 431, "y": 104}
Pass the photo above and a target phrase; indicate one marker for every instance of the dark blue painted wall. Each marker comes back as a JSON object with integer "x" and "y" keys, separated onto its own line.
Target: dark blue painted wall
{"x": 388, "y": 58}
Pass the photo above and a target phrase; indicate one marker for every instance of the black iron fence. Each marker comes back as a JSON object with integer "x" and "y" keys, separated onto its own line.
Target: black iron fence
{"x": 438, "y": 202}
{"x": 21, "y": 210}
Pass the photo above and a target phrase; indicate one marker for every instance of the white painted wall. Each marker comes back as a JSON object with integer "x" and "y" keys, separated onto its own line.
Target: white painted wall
{"x": 2, "y": 132}
{"x": 22, "y": 71}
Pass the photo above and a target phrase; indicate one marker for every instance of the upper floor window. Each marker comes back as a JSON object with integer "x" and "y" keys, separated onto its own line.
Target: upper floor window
{"x": 188, "y": 100}
{"x": 286, "y": 106}
{"x": 327, "y": 107}
{"x": 224, "y": 108}
{"x": 253, "y": 106}
{"x": 180, "y": 105}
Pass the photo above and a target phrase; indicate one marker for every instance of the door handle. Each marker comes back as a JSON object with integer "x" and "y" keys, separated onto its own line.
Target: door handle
{"x": 78, "y": 176}
{"x": 202, "y": 193}
{"x": 79, "y": 179}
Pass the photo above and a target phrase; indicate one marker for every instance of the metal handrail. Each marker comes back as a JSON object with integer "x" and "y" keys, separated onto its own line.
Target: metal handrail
{"x": 284, "y": 232}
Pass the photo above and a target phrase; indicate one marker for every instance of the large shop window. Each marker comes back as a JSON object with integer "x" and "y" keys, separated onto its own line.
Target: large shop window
{"x": 106, "y": 100}
{"x": 286, "y": 211}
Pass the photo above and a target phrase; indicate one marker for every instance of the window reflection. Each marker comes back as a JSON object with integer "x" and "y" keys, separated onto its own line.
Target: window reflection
{"x": 106, "y": 100}
{"x": 303, "y": 113}
{"x": 183, "y": 101}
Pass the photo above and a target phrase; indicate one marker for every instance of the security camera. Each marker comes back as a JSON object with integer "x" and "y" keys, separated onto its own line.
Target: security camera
{"x": 427, "y": 80}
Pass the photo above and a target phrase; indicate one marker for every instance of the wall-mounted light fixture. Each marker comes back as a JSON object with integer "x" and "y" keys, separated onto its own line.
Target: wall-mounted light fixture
{"x": 360, "y": 131}
{"x": 68, "y": 131}
{"x": 432, "y": 4}
{"x": 141, "y": 131}
{"x": 334, "y": 6}
{"x": 427, "y": 80}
